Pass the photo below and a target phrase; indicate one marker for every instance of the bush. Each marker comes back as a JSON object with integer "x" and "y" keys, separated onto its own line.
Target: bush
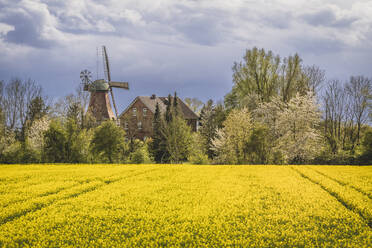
{"x": 55, "y": 143}
{"x": 108, "y": 143}
{"x": 199, "y": 158}
{"x": 13, "y": 154}
{"x": 141, "y": 156}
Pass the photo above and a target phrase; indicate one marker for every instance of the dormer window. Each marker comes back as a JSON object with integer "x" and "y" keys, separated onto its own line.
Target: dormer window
{"x": 144, "y": 111}
{"x": 139, "y": 125}
{"x": 134, "y": 112}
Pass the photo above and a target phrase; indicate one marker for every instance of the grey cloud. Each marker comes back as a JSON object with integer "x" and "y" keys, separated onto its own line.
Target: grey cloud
{"x": 317, "y": 45}
{"x": 166, "y": 49}
{"x": 203, "y": 31}
{"x": 28, "y": 27}
{"x": 204, "y": 27}
{"x": 26, "y": 31}
{"x": 327, "y": 17}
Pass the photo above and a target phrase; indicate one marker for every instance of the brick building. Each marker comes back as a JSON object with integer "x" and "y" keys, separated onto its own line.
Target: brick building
{"x": 137, "y": 119}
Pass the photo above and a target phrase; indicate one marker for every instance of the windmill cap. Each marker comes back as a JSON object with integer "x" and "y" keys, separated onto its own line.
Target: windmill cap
{"x": 99, "y": 85}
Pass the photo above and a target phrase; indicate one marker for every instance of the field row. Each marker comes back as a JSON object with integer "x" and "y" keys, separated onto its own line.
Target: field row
{"x": 165, "y": 205}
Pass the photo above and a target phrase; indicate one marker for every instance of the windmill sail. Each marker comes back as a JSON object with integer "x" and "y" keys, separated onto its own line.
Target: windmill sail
{"x": 108, "y": 76}
{"x": 122, "y": 85}
{"x": 99, "y": 103}
{"x": 106, "y": 64}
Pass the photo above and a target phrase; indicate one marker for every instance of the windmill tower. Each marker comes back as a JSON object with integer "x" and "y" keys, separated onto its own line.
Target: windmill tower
{"x": 99, "y": 103}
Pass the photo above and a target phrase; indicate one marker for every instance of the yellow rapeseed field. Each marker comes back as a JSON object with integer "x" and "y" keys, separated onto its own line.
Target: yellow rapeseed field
{"x": 185, "y": 205}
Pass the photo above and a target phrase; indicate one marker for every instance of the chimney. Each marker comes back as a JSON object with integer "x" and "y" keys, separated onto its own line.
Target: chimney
{"x": 153, "y": 96}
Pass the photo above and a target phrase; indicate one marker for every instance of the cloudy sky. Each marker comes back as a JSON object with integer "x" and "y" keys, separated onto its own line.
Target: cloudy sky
{"x": 188, "y": 46}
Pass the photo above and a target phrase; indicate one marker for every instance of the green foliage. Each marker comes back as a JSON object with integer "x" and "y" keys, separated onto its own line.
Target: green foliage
{"x": 231, "y": 141}
{"x": 258, "y": 145}
{"x": 14, "y": 153}
{"x": 211, "y": 118}
{"x": 197, "y": 154}
{"x": 77, "y": 143}
{"x": 108, "y": 142}
{"x": 172, "y": 136}
{"x": 263, "y": 75}
{"x": 366, "y": 156}
{"x": 177, "y": 139}
{"x": 141, "y": 154}
{"x": 258, "y": 74}
{"x": 54, "y": 150}
{"x": 158, "y": 144}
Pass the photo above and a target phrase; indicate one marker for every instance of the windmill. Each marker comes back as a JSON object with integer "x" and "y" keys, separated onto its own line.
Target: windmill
{"x": 99, "y": 103}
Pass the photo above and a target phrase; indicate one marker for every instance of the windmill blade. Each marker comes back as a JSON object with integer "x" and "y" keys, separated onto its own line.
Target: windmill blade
{"x": 113, "y": 103}
{"x": 122, "y": 85}
{"x": 106, "y": 64}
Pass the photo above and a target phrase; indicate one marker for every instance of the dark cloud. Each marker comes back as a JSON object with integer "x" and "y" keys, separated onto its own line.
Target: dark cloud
{"x": 166, "y": 46}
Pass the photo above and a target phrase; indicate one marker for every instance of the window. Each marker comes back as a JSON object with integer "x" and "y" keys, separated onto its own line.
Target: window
{"x": 126, "y": 125}
{"x": 139, "y": 125}
{"x": 134, "y": 112}
{"x": 144, "y": 111}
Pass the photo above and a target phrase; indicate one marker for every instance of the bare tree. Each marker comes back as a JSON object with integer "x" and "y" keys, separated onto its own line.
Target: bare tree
{"x": 1, "y": 105}
{"x": 346, "y": 111}
{"x": 17, "y": 98}
{"x": 73, "y": 106}
{"x": 359, "y": 89}
{"x": 315, "y": 77}
{"x": 335, "y": 114}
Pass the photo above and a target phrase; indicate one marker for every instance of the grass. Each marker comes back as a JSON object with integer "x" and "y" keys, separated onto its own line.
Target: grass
{"x": 185, "y": 205}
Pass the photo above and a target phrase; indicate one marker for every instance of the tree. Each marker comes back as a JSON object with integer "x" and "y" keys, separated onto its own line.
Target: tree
{"x": 231, "y": 141}
{"x": 140, "y": 154}
{"x": 335, "y": 105}
{"x": 108, "y": 142}
{"x": 290, "y": 78}
{"x": 314, "y": 78}
{"x": 211, "y": 118}
{"x": 258, "y": 74}
{"x": 17, "y": 100}
{"x": 359, "y": 89}
{"x": 35, "y": 136}
{"x": 258, "y": 145}
{"x": 158, "y": 145}
{"x": 177, "y": 139}
{"x": 293, "y": 128}
{"x": 77, "y": 142}
{"x": 172, "y": 136}
{"x": 299, "y": 137}
{"x": 194, "y": 104}
{"x": 263, "y": 75}
{"x": 55, "y": 143}
{"x": 345, "y": 114}
{"x": 366, "y": 156}
{"x": 73, "y": 106}
{"x": 37, "y": 109}
{"x": 197, "y": 154}
{"x": 176, "y": 132}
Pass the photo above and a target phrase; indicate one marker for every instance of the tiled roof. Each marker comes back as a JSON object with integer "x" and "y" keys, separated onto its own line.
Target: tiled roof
{"x": 150, "y": 103}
